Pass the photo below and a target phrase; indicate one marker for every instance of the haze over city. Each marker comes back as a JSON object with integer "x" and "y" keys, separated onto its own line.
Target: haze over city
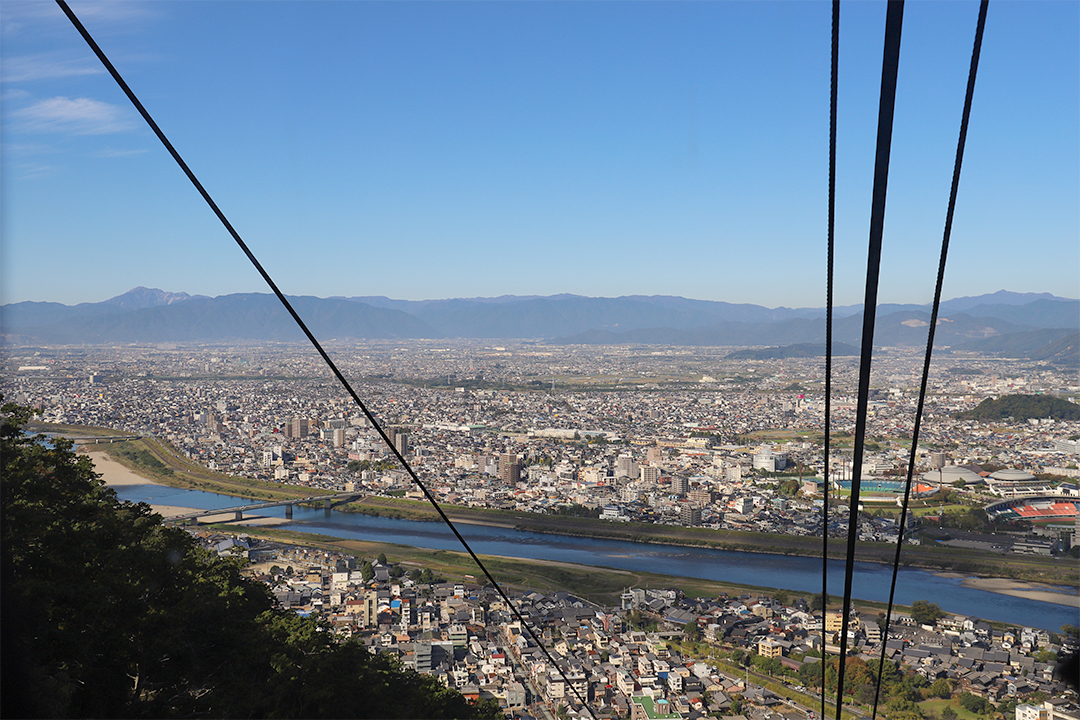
{"x": 427, "y": 151}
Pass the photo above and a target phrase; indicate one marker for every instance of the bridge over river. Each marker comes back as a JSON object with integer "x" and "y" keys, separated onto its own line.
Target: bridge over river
{"x": 239, "y": 510}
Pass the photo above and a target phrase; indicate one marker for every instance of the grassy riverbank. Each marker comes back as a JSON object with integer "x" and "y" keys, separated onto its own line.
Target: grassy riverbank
{"x": 600, "y": 585}
{"x": 945, "y": 559}
{"x": 162, "y": 464}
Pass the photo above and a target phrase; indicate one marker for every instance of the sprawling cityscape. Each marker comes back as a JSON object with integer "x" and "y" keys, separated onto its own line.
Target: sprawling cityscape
{"x": 670, "y": 436}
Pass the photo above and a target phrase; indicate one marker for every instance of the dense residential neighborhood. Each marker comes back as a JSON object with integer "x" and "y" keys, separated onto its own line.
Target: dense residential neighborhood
{"x": 641, "y": 653}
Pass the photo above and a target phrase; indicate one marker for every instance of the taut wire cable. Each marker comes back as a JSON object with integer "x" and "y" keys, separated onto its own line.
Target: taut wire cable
{"x": 311, "y": 337}
{"x": 972, "y": 71}
{"x": 833, "y": 81}
{"x": 894, "y": 20}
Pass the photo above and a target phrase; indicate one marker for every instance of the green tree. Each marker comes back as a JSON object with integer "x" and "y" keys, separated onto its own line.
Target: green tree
{"x": 974, "y": 703}
{"x": 367, "y": 572}
{"x": 109, "y": 613}
{"x": 382, "y": 558}
{"x": 818, "y": 602}
{"x": 941, "y": 688}
{"x": 948, "y": 713}
{"x": 926, "y": 613}
{"x": 692, "y": 631}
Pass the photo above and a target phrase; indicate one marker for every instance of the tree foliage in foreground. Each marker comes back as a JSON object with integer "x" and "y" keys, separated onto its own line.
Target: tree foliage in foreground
{"x": 108, "y": 613}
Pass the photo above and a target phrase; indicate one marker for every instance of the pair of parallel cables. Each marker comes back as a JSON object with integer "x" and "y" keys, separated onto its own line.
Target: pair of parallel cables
{"x": 890, "y": 65}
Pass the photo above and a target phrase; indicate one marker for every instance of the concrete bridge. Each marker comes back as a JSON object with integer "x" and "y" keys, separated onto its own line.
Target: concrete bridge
{"x": 239, "y": 510}
{"x": 98, "y": 439}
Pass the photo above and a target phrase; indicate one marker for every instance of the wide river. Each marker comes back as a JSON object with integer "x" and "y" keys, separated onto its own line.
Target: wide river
{"x": 800, "y": 574}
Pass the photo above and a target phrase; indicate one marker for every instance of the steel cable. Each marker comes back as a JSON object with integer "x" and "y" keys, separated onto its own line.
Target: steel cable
{"x": 972, "y": 71}
{"x": 894, "y": 19}
{"x": 311, "y": 337}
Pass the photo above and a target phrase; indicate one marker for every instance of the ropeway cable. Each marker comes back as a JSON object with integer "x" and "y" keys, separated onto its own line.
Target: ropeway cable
{"x": 894, "y": 20}
{"x": 833, "y": 79}
{"x": 311, "y": 338}
{"x": 976, "y": 48}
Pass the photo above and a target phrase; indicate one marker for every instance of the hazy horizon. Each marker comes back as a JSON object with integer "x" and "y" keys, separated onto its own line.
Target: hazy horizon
{"x": 526, "y": 297}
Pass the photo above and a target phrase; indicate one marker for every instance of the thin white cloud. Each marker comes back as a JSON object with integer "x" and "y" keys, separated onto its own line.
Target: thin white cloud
{"x": 113, "y": 11}
{"x": 113, "y": 153}
{"x": 77, "y": 116}
{"x": 12, "y": 94}
{"x": 27, "y": 149}
{"x": 45, "y": 19}
{"x": 47, "y": 66}
{"x": 29, "y": 171}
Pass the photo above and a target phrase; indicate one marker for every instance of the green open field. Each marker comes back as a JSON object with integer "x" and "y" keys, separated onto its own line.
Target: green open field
{"x": 933, "y": 708}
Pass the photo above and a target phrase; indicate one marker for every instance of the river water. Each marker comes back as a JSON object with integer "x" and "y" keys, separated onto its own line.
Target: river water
{"x": 800, "y": 574}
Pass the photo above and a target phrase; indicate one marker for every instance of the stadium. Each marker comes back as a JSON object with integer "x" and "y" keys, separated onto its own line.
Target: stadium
{"x": 888, "y": 487}
{"x": 1036, "y": 509}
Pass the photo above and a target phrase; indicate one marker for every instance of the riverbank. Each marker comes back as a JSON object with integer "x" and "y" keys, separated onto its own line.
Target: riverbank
{"x": 1019, "y": 588}
{"x": 1028, "y": 587}
{"x": 929, "y": 556}
{"x": 116, "y": 475}
{"x": 111, "y": 471}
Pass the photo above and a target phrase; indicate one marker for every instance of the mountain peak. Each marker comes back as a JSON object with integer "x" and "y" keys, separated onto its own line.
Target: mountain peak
{"x": 139, "y": 298}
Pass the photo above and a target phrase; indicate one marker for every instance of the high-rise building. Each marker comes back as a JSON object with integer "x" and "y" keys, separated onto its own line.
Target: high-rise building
{"x": 401, "y": 442}
{"x": 297, "y": 428}
{"x": 509, "y": 469}
{"x": 339, "y": 437}
{"x": 679, "y": 485}
{"x": 626, "y": 467}
{"x": 650, "y": 475}
{"x": 690, "y": 514}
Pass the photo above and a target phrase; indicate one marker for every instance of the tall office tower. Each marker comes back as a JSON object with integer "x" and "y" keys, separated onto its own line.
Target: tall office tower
{"x": 401, "y": 442}
{"x": 937, "y": 459}
{"x": 650, "y": 475}
{"x": 339, "y": 437}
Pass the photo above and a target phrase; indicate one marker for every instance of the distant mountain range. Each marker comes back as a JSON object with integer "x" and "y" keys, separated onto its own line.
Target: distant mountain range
{"x": 1002, "y": 322}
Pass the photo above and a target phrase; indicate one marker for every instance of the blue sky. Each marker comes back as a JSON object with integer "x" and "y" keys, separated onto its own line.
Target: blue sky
{"x": 463, "y": 149}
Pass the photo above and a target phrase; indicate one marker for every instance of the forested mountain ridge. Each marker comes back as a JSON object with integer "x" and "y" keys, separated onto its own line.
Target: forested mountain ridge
{"x": 145, "y": 315}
